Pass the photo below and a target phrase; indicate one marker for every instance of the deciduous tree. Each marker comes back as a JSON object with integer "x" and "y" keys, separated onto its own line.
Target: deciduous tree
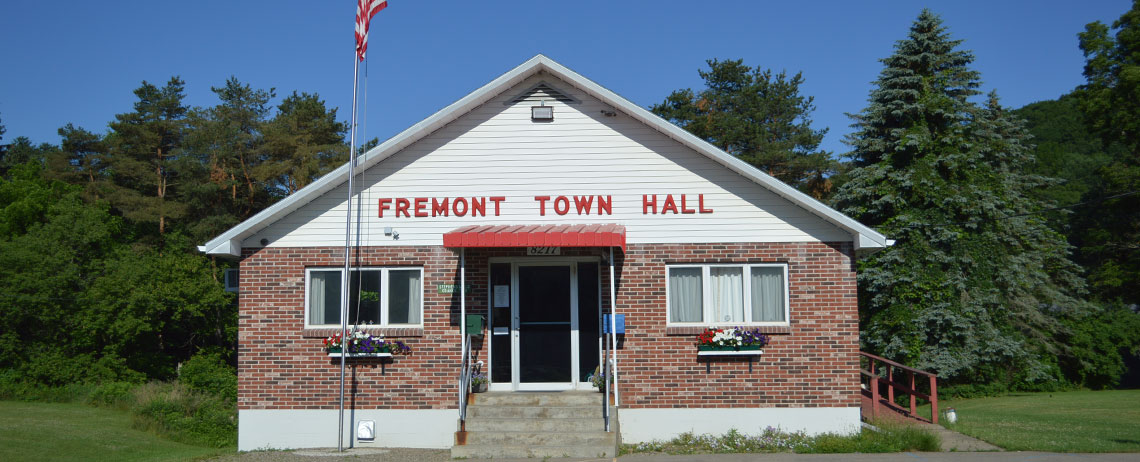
{"x": 1108, "y": 235}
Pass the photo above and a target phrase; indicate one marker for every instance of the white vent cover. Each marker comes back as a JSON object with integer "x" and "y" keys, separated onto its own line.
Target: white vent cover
{"x": 542, "y": 92}
{"x": 366, "y": 430}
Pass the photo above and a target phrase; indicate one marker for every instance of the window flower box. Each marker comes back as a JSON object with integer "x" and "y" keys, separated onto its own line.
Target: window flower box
{"x": 730, "y": 348}
{"x": 731, "y": 341}
{"x": 362, "y": 345}
{"x": 337, "y": 354}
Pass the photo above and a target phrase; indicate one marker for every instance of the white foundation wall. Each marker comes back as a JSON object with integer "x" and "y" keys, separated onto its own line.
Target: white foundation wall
{"x": 317, "y": 428}
{"x": 643, "y": 425}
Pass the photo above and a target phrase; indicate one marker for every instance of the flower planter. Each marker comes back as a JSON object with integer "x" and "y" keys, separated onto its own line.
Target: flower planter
{"x": 337, "y": 354}
{"x": 373, "y": 347}
{"x": 730, "y": 348}
{"x": 743, "y": 350}
{"x": 479, "y": 388}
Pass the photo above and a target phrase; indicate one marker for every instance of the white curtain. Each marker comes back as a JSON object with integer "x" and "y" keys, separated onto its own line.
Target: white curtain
{"x": 404, "y": 297}
{"x": 415, "y": 294}
{"x": 768, "y": 294}
{"x": 324, "y": 297}
{"x": 685, "y": 294}
{"x": 727, "y": 294}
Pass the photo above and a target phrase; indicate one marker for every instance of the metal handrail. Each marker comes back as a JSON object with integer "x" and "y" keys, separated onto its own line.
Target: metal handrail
{"x": 874, "y": 381}
{"x": 464, "y": 383}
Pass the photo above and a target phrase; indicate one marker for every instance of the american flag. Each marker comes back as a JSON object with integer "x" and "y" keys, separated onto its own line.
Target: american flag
{"x": 365, "y": 10}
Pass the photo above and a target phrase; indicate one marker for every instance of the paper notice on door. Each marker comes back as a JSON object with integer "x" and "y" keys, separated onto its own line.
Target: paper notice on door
{"x": 502, "y": 296}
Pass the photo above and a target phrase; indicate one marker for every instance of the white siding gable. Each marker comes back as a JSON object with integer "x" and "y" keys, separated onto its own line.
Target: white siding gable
{"x": 496, "y": 150}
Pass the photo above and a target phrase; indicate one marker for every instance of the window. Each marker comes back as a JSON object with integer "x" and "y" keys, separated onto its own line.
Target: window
{"x": 728, "y": 294}
{"x": 231, "y": 280}
{"x": 387, "y": 296}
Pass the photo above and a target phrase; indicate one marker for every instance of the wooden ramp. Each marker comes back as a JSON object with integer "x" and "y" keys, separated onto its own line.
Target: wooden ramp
{"x": 883, "y": 378}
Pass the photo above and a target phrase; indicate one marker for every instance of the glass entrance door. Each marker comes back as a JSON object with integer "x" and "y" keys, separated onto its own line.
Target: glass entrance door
{"x": 545, "y": 322}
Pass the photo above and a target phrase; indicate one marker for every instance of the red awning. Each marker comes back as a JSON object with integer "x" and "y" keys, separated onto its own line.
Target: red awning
{"x": 602, "y": 235}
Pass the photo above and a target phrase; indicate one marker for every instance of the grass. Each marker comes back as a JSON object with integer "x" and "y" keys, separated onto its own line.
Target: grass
{"x": 31, "y": 431}
{"x": 891, "y": 438}
{"x": 1072, "y": 421}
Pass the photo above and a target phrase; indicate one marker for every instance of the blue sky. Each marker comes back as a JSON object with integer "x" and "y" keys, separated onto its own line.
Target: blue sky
{"x": 78, "y": 61}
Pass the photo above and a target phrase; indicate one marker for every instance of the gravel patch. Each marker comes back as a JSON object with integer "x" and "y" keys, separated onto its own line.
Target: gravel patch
{"x": 331, "y": 455}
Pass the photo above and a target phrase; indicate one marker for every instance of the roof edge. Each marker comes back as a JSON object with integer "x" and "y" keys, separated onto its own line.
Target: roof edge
{"x": 229, "y": 242}
{"x": 863, "y": 236}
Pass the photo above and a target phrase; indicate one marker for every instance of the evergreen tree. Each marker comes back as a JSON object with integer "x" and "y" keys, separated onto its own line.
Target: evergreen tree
{"x": 145, "y": 144}
{"x": 303, "y": 142}
{"x": 82, "y": 159}
{"x": 972, "y": 285}
{"x": 1108, "y": 235}
{"x": 227, "y": 143}
{"x": 759, "y": 117}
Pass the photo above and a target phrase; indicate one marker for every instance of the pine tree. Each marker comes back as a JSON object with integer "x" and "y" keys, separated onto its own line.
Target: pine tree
{"x": 972, "y": 285}
{"x": 82, "y": 159}
{"x": 303, "y": 142}
{"x": 226, "y": 144}
{"x": 145, "y": 146}
{"x": 759, "y": 117}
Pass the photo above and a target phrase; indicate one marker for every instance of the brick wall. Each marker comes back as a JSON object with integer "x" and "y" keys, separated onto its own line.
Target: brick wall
{"x": 813, "y": 363}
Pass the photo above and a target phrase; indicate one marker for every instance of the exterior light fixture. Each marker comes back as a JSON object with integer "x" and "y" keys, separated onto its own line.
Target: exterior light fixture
{"x": 542, "y": 113}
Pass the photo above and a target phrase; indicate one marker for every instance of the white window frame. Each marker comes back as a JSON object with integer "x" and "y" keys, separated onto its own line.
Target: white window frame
{"x": 707, "y": 295}
{"x": 384, "y": 271}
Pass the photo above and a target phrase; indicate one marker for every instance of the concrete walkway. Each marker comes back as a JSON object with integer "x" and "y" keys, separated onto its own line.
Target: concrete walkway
{"x": 443, "y": 455}
{"x": 892, "y": 457}
{"x": 954, "y": 441}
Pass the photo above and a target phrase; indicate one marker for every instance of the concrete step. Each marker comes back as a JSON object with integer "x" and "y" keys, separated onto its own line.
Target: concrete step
{"x": 535, "y": 424}
{"x": 507, "y": 424}
{"x": 533, "y": 412}
{"x": 519, "y": 452}
{"x": 533, "y": 438}
{"x": 546, "y": 398}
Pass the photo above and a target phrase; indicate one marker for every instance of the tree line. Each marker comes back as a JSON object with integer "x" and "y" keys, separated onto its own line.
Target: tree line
{"x": 1016, "y": 262}
{"x": 101, "y": 278}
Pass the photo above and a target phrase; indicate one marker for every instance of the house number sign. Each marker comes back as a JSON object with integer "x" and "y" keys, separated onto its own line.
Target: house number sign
{"x": 544, "y": 251}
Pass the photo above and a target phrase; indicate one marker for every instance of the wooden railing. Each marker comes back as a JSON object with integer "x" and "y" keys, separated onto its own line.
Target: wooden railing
{"x": 875, "y": 380}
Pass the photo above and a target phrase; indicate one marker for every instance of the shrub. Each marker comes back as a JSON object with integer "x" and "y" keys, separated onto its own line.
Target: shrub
{"x": 889, "y": 438}
{"x": 208, "y": 373}
{"x": 181, "y": 414}
{"x": 116, "y": 394}
{"x": 113, "y": 368}
{"x": 14, "y": 387}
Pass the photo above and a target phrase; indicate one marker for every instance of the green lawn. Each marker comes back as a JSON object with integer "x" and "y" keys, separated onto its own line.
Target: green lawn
{"x": 64, "y": 432}
{"x": 1075, "y": 421}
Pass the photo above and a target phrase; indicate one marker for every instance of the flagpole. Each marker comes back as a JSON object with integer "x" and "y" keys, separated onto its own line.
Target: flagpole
{"x": 344, "y": 287}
